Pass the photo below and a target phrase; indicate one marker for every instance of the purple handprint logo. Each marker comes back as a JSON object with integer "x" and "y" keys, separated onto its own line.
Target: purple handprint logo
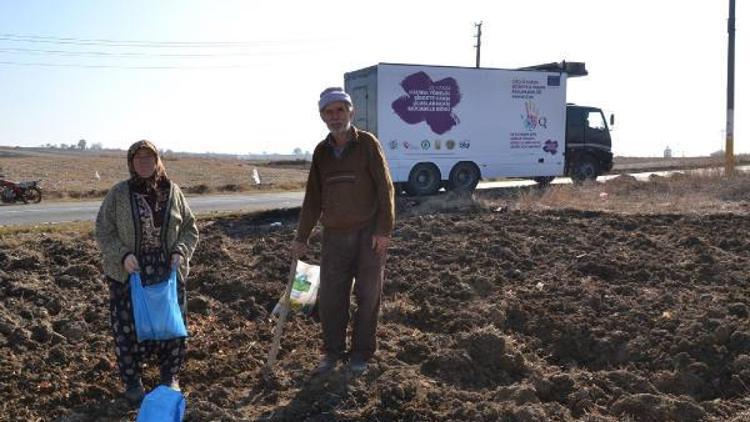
{"x": 550, "y": 146}
{"x": 531, "y": 119}
{"x": 428, "y": 101}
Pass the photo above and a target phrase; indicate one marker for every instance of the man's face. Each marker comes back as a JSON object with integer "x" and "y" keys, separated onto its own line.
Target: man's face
{"x": 338, "y": 117}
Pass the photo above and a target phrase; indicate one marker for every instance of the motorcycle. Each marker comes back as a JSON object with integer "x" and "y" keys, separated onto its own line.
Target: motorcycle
{"x": 20, "y": 191}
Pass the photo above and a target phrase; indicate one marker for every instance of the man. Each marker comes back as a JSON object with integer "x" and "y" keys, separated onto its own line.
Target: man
{"x": 349, "y": 189}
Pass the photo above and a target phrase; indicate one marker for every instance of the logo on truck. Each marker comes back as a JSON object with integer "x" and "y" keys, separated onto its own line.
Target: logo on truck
{"x": 428, "y": 101}
{"x": 532, "y": 119}
{"x": 550, "y": 146}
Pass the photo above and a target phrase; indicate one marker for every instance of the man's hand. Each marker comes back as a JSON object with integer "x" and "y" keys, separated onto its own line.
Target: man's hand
{"x": 299, "y": 249}
{"x": 380, "y": 244}
{"x": 176, "y": 260}
{"x": 131, "y": 264}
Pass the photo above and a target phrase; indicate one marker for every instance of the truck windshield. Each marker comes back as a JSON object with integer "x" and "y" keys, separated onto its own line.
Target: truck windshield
{"x": 596, "y": 120}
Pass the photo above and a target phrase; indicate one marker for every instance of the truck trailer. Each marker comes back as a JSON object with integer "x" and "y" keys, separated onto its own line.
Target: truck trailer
{"x": 448, "y": 127}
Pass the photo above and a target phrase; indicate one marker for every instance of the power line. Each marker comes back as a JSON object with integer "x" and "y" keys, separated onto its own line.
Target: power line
{"x": 138, "y": 43}
{"x": 95, "y": 66}
{"x": 12, "y": 45}
{"x": 127, "y": 54}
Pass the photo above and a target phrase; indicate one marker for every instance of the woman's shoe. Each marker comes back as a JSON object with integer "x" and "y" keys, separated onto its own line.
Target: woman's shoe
{"x": 134, "y": 394}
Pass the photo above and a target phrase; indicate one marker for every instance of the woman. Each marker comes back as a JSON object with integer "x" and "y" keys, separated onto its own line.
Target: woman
{"x": 144, "y": 225}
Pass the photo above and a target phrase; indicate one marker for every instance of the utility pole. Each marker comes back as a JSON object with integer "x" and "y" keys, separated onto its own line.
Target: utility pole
{"x": 729, "y": 150}
{"x": 479, "y": 40}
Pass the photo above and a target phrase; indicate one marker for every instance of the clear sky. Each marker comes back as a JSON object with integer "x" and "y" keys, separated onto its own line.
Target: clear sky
{"x": 244, "y": 76}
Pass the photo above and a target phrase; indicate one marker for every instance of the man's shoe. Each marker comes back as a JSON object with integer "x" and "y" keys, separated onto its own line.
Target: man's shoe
{"x": 326, "y": 365}
{"x": 134, "y": 394}
{"x": 357, "y": 365}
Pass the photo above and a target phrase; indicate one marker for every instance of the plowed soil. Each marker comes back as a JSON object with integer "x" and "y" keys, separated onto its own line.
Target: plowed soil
{"x": 488, "y": 315}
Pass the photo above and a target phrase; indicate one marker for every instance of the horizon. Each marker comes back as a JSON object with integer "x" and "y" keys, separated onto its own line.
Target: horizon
{"x": 306, "y": 154}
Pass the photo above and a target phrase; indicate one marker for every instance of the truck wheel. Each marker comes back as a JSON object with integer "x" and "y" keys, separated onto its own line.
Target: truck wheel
{"x": 584, "y": 169}
{"x": 424, "y": 179}
{"x": 544, "y": 181}
{"x": 464, "y": 177}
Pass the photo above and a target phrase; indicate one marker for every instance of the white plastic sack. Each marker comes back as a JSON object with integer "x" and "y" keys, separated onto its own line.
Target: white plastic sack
{"x": 304, "y": 290}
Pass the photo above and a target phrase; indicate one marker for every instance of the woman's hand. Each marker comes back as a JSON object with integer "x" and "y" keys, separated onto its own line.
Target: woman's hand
{"x": 131, "y": 264}
{"x": 176, "y": 260}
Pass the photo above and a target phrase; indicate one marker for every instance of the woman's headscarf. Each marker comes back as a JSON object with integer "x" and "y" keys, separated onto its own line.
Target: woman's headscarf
{"x": 160, "y": 173}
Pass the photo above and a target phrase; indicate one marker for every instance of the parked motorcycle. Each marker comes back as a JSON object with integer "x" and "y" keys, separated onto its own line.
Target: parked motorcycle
{"x": 20, "y": 191}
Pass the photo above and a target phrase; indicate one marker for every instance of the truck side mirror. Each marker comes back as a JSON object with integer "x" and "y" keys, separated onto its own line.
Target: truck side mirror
{"x": 612, "y": 119}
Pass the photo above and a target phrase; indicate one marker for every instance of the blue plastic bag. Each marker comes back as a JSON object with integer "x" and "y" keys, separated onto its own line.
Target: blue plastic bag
{"x": 163, "y": 404}
{"x": 156, "y": 309}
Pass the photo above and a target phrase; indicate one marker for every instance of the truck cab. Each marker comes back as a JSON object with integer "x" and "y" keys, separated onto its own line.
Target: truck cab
{"x": 588, "y": 143}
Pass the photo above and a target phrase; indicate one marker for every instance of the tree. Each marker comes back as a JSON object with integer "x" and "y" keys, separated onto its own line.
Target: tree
{"x": 82, "y": 144}
{"x": 297, "y": 151}
{"x": 97, "y": 146}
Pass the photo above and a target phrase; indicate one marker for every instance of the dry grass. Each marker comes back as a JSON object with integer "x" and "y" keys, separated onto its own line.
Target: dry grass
{"x": 635, "y": 164}
{"x": 77, "y": 227}
{"x": 704, "y": 193}
{"x": 73, "y": 174}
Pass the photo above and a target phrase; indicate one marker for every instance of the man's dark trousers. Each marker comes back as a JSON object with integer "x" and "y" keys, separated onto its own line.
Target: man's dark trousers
{"x": 347, "y": 255}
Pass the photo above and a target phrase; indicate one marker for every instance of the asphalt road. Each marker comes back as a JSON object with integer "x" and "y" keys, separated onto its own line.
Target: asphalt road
{"x": 61, "y": 212}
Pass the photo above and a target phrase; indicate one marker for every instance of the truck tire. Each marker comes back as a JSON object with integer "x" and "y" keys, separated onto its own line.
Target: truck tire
{"x": 584, "y": 169}
{"x": 424, "y": 179}
{"x": 464, "y": 177}
{"x": 544, "y": 181}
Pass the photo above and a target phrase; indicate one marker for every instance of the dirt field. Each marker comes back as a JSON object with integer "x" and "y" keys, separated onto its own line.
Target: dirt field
{"x": 495, "y": 308}
{"x": 74, "y": 174}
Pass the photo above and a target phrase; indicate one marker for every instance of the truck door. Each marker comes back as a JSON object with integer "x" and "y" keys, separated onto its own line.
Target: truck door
{"x": 575, "y": 127}
{"x": 596, "y": 131}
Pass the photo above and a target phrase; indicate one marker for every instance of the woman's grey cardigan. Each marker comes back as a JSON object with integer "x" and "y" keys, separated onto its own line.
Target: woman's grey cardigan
{"x": 118, "y": 230}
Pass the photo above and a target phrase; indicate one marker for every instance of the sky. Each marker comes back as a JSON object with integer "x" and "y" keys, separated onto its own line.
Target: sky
{"x": 242, "y": 77}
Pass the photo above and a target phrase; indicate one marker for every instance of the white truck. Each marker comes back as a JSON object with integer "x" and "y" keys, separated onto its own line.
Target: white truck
{"x": 449, "y": 127}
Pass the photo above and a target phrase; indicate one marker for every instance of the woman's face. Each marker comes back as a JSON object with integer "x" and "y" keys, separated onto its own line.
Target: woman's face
{"x": 144, "y": 163}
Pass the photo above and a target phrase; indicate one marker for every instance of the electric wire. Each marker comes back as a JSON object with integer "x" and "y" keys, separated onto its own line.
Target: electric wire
{"x": 10, "y": 45}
